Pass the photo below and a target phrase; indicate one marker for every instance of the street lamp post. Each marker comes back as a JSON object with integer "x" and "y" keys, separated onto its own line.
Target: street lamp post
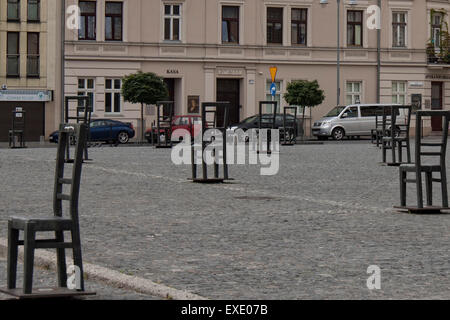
{"x": 338, "y": 71}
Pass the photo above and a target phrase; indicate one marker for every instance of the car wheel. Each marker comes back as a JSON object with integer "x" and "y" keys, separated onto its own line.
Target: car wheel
{"x": 338, "y": 134}
{"x": 123, "y": 137}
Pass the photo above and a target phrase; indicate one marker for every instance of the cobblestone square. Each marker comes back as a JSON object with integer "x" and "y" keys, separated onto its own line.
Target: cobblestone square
{"x": 310, "y": 232}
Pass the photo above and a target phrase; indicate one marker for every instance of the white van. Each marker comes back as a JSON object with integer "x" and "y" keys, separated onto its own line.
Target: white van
{"x": 351, "y": 120}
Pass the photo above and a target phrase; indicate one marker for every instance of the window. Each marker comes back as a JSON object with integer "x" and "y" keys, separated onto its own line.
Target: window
{"x": 299, "y": 21}
{"x": 436, "y": 30}
{"x": 354, "y": 28}
{"x": 13, "y": 10}
{"x": 370, "y": 111}
{"x": 277, "y": 97}
{"x": 351, "y": 112}
{"x": 33, "y": 10}
{"x": 86, "y": 87}
{"x": 399, "y": 92}
{"x": 172, "y": 21}
{"x": 275, "y": 25}
{"x": 113, "y": 21}
{"x": 399, "y": 29}
{"x": 353, "y": 95}
{"x": 230, "y": 24}
{"x": 33, "y": 54}
{"x": 13, "y": 56}
{"x": 113, "y": 95}
{"x": 87, "y": 20}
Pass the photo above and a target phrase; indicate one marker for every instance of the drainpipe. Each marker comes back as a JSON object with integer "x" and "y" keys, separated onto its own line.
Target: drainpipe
{"x": 63, "y": 40}
{"x": 379, "y": 57}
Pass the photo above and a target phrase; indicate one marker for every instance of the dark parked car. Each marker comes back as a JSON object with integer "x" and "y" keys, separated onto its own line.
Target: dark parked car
{"x": 252, "y": 122}
{"x": 106, "y": 130}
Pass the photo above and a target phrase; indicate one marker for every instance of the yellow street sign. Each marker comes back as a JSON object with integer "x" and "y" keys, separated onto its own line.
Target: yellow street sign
{"x": 273, "y": 73}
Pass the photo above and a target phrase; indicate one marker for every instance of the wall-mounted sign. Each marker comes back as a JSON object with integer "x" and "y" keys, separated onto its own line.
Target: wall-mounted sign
{"x": 172, "y": 71}
{"x": 26, "y": 95}
{"x": 230, "y": 72}
{"x": 427, "y": 104}
{"x": 416, "y": 84}
{"x": 437, "y": 76}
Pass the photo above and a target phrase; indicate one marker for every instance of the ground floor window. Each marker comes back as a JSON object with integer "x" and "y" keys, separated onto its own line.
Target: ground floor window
{"x": 86, "y": 87}
{"x": 113, "y": 98}
{"x": 399, "y": 92}
{"x": 353, "y": 92}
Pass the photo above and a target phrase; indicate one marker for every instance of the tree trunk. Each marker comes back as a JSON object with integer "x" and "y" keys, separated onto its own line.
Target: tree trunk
{"x": 142, "y": 123}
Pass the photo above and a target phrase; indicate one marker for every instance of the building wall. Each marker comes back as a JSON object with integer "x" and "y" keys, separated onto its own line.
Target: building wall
{"x": 200, "y": 58}
{"x": 49, "y": 47}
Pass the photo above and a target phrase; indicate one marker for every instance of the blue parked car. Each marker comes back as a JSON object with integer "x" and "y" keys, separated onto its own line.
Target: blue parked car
{"x": 106, "y": 130}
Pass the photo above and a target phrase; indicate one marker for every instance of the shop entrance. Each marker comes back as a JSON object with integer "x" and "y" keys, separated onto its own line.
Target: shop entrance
{"x": 228, "y": 90}
{"x": 34, "y": 120}
{"x": 436, "y": 104}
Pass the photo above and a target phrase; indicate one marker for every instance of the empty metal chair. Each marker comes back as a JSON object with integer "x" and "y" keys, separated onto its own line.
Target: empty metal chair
{"x": 56, "y": 223}
{"x": 397, "y": 126}
{"x": 17, "y": 129}
{"x": 420, "y": 167}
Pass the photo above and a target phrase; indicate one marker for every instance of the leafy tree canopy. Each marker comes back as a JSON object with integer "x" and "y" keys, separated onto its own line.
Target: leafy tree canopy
{"x": 304, "y": 93}
{"x": 144, "y": 88}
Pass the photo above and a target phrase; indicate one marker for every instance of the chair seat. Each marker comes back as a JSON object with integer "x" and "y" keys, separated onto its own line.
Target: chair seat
{"x": 42, "y": 224}
{"x": 411, "y": 167}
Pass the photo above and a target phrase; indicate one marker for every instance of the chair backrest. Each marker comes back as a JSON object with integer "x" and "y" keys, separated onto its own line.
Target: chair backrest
{"x": 400, "y": 121}
{"x": 164, "y": 114}
{"x": 79, "y": 132}
{"x": 18, "y": 120}
{"x": 440, "y": 145}
{"x": 270, "y": 123}
{"x": 215, "y": 115}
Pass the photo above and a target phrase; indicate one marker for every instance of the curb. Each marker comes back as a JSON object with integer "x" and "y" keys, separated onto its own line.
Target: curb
{"x": 47, "y": 260}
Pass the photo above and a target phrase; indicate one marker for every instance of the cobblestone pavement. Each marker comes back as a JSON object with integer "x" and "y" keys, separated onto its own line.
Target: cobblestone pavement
{"x": 310, "y": 232}
{"x": 46, "y": 278}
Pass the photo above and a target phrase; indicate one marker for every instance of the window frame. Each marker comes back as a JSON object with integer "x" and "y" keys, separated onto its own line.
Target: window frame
{"x": 86, "y": 22}
{"x": 171, "y": 16}
{"x": 398, "y": 93}
{"x": 274, "y": 22}
{"x": 113, "y": 16}
{"x": 113, "y": 91}
{"x": 9, "y": 3}
{"x": 354, "y": 24}
{"x": 231, "y": 20}
{"x": 86, "y": 91}
{"x": 299, "y": 23}
{"x": 33, "y": 55}
{"x": 15, "y": 55}
{"x": 436, "y": 27}
{"x": 38, "y": 4}
{"x": 353, "y": 93}
{"x": 396, "y": 29}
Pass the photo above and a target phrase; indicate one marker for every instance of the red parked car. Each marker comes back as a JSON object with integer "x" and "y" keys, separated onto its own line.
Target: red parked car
{"x": 191, "y": 123}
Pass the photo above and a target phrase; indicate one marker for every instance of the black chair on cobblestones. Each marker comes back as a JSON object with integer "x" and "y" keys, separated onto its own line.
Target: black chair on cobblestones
{"x": 397, "y": 128}
{"x": 57, "y": 223}
{"x": 419, "y": 167}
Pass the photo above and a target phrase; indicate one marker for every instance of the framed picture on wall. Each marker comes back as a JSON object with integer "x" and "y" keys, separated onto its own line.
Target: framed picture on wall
{"x": 416, "y": 102}
{"x": 194, "y": 104}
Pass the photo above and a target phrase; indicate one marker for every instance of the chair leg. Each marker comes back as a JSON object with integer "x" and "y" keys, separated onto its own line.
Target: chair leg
{"x": 61, "y": 260}
{"x": 28, "y": 261}
{"x": 444, "y": 188}
{"x": 393, "y": 143}
{"x": 408, "y": 151}
{"x": 429, "y": 187}
{"x": 403, "y": 188}
{"x": 400, "y": 146}
{"x": 13, "y": 248}
{"x": 419, "y": 189}
{"x": 77, "y": 259}
{"x": 383, "y": 148}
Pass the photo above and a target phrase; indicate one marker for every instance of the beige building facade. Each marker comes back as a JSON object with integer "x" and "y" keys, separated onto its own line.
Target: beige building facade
{"x": 211, "y": 50}
{"x": 30, "y": 68}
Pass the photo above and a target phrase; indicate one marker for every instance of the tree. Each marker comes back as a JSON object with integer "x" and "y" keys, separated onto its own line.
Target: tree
{"x": 144, "y": 88}
{"x": 304, "y": 93}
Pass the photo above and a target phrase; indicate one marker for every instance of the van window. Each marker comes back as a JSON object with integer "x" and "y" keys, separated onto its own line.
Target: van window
{"x": 335, "y": 112}
{"x": 370, "y": 111}
{"x": 352, "y": 112}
